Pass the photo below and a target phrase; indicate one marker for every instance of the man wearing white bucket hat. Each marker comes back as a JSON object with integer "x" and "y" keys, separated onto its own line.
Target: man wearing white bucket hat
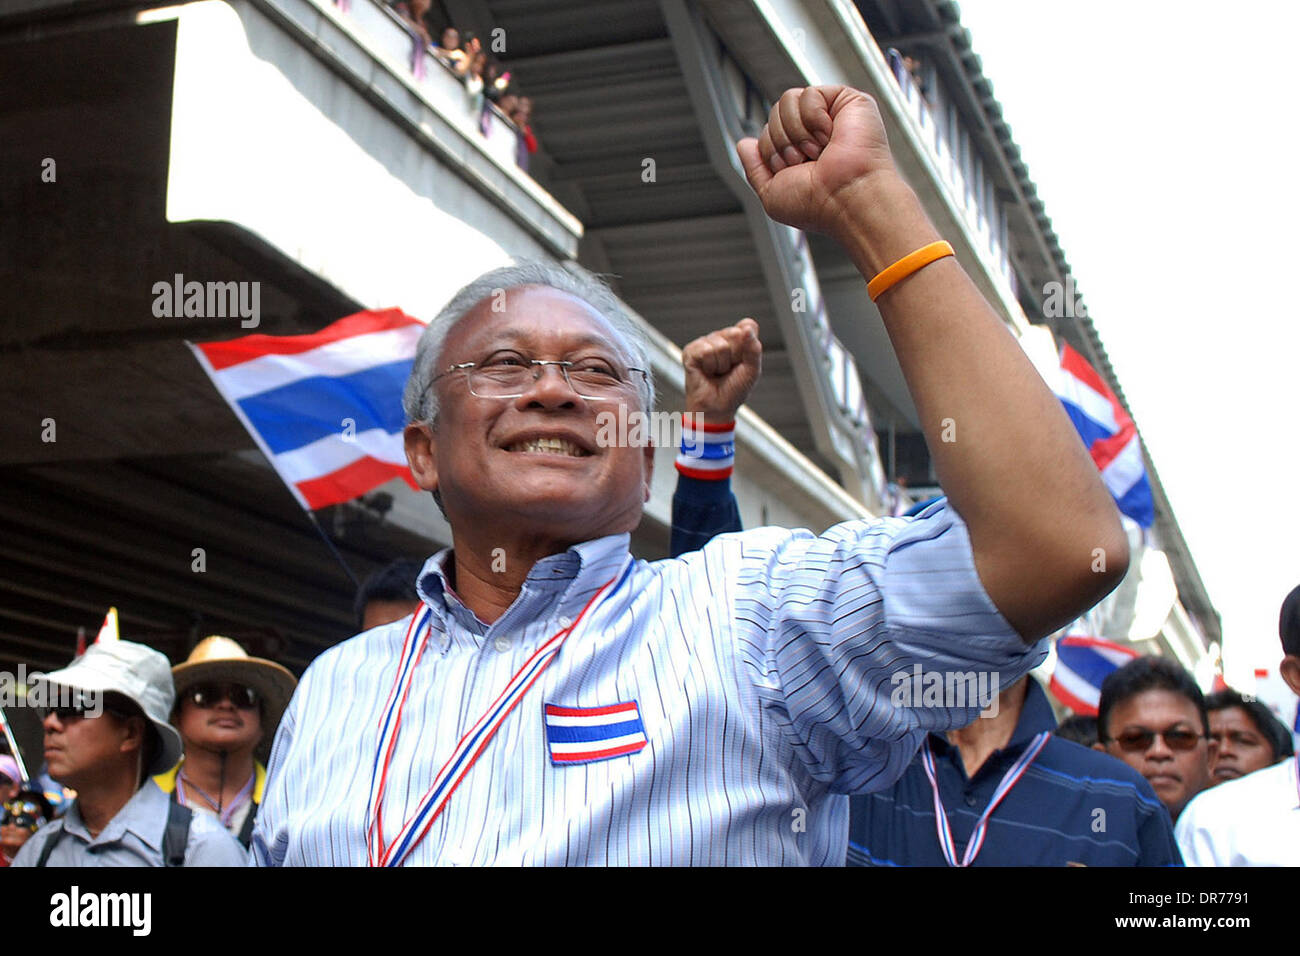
{"x": 105, "y": 743}
{"x": 227, "y": 708}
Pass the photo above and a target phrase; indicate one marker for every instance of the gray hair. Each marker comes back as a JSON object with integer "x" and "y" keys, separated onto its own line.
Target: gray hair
{"x": 419, "y": 400}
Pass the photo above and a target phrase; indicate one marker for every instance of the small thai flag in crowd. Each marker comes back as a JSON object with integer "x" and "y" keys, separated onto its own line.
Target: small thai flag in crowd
{"x": 109, "y": 630}
{"x": 1109, "y": 433}
{"x": 1082, "y": 663}
{"x": 584, "y": 734}
{"x": 325, "y": 408}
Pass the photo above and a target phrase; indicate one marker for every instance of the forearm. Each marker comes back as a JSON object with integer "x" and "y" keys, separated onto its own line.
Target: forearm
{"x": 701, "y": 511}
{"x": 1004, "y": 450}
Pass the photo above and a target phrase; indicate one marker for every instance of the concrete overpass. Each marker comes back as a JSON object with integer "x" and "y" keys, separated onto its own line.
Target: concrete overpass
{"x": 310, "y": 147}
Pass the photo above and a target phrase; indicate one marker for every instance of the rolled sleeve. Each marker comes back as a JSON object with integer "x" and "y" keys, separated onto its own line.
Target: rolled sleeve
{"x": 856, "y": 623}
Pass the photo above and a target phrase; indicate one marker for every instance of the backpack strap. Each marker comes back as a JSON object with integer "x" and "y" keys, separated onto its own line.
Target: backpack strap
{"x": 50, "y": 844}
{"x": 175, "y": 837}
{"x": 246, "y": 831}
{"x": 177, "y": 834}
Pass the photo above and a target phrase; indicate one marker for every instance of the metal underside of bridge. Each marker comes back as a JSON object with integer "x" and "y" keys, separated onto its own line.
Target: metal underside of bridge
{"x": 150, "y": 464}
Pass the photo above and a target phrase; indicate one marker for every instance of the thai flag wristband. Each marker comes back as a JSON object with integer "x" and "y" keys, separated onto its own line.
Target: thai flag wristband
{"x": 708, "y": 452}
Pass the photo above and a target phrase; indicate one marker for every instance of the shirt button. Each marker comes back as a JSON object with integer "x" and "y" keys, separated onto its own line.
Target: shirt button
{"x": 565, "y": 621}
{"x": 970, "y": 800}
{"x": 502, "y": 644}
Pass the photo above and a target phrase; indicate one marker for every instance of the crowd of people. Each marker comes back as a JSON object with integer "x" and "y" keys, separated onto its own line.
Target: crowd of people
{"x": 157, "y": 745}
{"x": 911, "y": 66}
{"x": 486, "y": 79}
{"x": 535, "y": 695}
{"x": 1146, "y": 763}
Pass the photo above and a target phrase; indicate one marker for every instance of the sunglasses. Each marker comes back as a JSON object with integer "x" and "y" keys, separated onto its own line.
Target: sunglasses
{"x": 23, "y": 813}
{"x": 210, "y": 695}
{"x": 1140, "y": 741}
{"x": 78, "y": 711}
{"x": 83, "y": 704}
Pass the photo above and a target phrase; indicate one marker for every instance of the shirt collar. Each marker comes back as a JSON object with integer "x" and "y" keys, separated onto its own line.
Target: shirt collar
{"x": 144, "y": 815}
{"x": 1035, "y": 717}
{"x": 259, "y": 781}
{"x": 167, "y": 781}
{"x": 577, "y": 572}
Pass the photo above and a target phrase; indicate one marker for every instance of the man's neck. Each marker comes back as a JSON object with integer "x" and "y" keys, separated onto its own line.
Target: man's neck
{"x": 987, "y": 734}
{"x": 100, "y": 801}
{"x": 203, "y": 768}
{"x": 488, "y": 579}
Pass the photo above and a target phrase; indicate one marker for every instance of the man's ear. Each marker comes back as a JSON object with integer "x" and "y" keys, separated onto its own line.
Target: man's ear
{"x": 1099, "y": 746}
{"x": 133, "y": 740}
{"x": 422, "y": 455}
{"x": 1290, "y": 670}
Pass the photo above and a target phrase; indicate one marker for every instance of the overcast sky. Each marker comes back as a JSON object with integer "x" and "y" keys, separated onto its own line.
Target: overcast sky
{"x": 1161, "y": 138}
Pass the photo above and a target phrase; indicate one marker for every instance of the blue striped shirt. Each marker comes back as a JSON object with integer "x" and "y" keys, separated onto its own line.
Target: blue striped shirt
{"x": 761, "y": 667}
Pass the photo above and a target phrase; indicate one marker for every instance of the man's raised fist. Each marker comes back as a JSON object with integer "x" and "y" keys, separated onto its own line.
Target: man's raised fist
{"x": 817, "y": 153}
{"x": 721, "y": 369}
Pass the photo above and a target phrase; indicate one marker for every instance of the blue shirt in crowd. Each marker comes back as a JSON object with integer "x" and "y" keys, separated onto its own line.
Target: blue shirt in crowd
{"x": 1073, "y": 806}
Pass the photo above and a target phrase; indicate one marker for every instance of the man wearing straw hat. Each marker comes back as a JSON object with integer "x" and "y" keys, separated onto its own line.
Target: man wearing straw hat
{"x": 227, "y": 705}
{"x": 105, "y": 744}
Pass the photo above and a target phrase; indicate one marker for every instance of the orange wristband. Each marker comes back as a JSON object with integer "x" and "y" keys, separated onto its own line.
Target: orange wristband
{"x": 904, "y": 267}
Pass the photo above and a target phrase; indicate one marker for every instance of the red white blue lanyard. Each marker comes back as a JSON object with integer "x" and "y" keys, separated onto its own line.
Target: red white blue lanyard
{"x": 470, "y": 746}
{"x": 1009, "y": 780}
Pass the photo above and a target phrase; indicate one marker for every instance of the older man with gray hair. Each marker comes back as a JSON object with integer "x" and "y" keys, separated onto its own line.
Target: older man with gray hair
{"x": 554, "y": 701}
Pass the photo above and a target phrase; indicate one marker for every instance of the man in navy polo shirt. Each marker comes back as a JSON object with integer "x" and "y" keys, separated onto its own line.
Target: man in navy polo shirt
{"x": 1045, "y": 801}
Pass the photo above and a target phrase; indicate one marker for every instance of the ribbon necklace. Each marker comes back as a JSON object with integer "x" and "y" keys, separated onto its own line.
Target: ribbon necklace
{"x": 471, "y": 745}
{"x": 1009, "y": 780}
{"x": 227, "y": 814}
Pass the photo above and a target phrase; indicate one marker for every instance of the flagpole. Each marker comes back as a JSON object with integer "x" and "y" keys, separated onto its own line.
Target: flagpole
{"x": 13, "y": 746}
{"x": 356, "y": 585}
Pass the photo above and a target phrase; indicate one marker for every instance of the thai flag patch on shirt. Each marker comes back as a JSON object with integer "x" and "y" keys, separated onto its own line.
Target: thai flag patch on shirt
{"x": 586, "y": 734}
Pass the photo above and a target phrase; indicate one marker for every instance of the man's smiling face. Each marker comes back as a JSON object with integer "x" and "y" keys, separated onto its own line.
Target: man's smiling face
{"x": 531, "y": 464}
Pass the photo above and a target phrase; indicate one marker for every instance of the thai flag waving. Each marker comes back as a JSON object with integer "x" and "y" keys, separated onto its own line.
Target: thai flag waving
{"x": 1082, "y": 663}
{"x": 1109, "y": 433}
{"x": 325, "y": 408}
